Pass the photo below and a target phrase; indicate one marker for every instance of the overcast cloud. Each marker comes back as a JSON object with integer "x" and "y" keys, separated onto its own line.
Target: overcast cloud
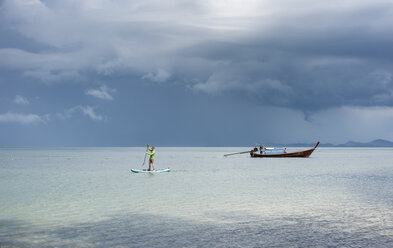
{"x": 325, "y": 54}
{"x": 315, "y": 57}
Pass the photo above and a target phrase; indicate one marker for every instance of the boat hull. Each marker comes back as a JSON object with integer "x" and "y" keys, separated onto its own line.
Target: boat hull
{"x": 298, "y": 154}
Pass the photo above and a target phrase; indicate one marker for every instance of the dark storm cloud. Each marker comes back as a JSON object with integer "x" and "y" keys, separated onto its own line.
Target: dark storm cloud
{"x": 312, "y": 57}
{"x": 313, "y": 69}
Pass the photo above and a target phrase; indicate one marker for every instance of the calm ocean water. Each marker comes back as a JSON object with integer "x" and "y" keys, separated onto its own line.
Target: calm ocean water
{"x": 87, "y": 197}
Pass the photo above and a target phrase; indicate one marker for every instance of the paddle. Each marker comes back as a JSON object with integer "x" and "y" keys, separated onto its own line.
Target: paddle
{"x": 144, "y": 160}
{"x": 235, "y": 153}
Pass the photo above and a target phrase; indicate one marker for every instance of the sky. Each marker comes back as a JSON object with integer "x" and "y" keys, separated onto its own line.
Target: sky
{"x": 194, "y": 73}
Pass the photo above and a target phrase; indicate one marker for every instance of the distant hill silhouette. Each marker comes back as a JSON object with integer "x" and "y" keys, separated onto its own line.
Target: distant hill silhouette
{"x": 374, "y": 143}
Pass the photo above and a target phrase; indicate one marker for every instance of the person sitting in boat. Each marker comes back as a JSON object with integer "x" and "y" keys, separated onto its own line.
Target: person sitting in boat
{"x": 152, "y": 153}
{"x": 261, "y": 149}
{"x": 285, "y": 150}
{"x": 253, "y": 150}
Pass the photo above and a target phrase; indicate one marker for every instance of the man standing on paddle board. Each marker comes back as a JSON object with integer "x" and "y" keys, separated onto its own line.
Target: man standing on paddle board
{"x": 151, "y": 154}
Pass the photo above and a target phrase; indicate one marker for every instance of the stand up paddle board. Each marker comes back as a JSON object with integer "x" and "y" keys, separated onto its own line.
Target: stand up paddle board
{"x": 146, "y": 171}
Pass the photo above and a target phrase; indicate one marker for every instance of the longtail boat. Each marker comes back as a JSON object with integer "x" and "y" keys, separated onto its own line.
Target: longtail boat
{"x": 299, "y": 154}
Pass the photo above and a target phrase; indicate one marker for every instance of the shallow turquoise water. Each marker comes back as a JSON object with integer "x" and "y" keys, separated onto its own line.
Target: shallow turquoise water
{"x": 87, "y": 197}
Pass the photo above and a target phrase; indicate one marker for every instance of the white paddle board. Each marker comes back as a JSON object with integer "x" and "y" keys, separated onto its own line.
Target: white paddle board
{"x": 146, "y": 171}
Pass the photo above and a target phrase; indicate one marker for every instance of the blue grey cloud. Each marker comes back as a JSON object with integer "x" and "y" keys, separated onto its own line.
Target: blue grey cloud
{"x": 22, "y": 118}
{"x": 303, "y": 62}
{"x": 103, "y": 92}
{"x": 21, "y": 100}
{"x": 85, "y": 110}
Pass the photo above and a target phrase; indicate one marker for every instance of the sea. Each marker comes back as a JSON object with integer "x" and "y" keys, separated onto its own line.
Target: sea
{"x": 88, "y": 197}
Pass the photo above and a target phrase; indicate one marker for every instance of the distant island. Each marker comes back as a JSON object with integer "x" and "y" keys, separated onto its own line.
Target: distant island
{"x": 374, "y": 143}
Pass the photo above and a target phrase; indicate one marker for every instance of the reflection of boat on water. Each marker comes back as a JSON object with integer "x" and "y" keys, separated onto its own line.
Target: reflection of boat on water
{"x": 271, "y": 152}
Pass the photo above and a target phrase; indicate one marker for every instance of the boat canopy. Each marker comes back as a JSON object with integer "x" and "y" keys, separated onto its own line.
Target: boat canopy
{"x": 274, "y": 148}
